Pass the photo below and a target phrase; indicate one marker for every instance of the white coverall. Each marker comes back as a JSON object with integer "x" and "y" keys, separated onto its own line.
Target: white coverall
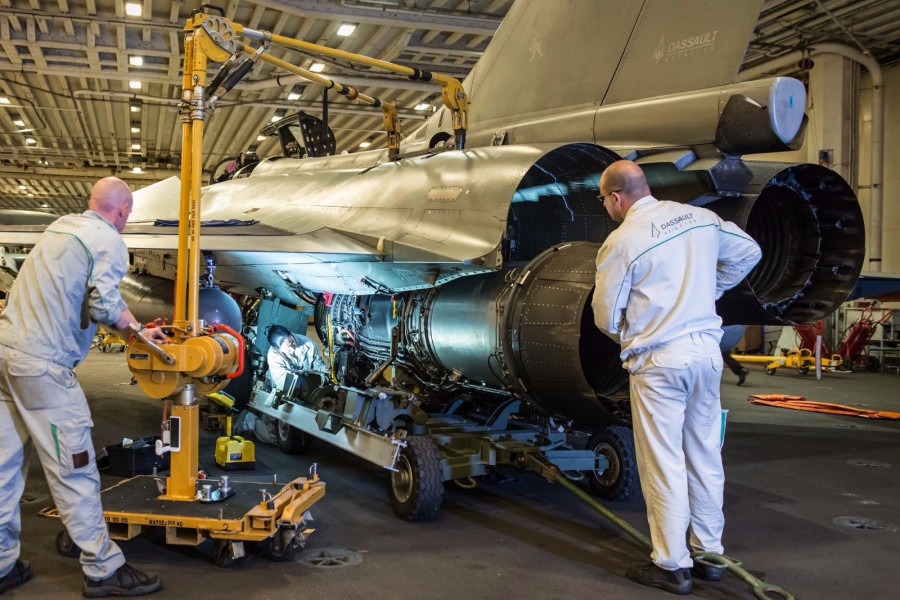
{"x": 303, "y": 357}
{"x": 69, "y": 282}
{"x": 658, "y": 276}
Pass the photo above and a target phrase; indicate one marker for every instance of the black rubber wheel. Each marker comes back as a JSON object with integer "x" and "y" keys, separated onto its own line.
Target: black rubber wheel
{"x": 65, "y": 546}
{"x": 290, "y": 439}
{"x": 620, "y": 481}
{"x": 803, "y": 370}
{"x": 416, "y": 489}
{"x": 277, "y": 549}
{"x": 873, "y": 364}
{"x": 221, "y": 554}
{"x": 770, "y": 370}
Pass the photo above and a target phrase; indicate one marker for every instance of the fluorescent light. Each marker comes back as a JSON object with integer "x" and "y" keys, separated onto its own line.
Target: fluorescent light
{"x": 135, "y": 108}
{"x": 23, "y": 186}
{"x": 135, "y": 85}
{"x": 346, "y": 29}
{"x": 293, "y": 96}
{"x": 4, "y": 100}
{"x": 136, "y": 61}
{"x": 317, "y": 67}
{"x": 135, "y": 146}
{"x": 45, "y": 205}
{"x": 260, "y": 138}
{"x": 30, "y": 141}
{"x": 136, "y": 170}
{"x": 275, "y": 118}
{"x": 423, "y": 106}
{"x": 365, "y": 144}
{"x": 18, "y": 122}
{"x": 133, "y": 9}
{"x": 135, "y": 130}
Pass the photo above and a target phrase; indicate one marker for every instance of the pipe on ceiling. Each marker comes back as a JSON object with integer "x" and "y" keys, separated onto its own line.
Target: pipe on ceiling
{"x": 876, "y": 203}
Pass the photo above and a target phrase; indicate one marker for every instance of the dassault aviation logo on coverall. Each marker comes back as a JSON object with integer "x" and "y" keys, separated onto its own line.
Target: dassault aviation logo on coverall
{"x": 669, "y": 225}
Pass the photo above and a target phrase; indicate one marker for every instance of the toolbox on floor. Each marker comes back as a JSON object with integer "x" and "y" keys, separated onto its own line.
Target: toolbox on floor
{"x": 138, "y": 458}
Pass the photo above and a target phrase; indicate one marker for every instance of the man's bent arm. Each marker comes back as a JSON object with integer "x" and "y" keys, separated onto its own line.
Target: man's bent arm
{"x": 738, "y": 254}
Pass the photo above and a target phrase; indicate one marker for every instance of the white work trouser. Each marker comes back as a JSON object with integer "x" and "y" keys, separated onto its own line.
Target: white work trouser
{"x": 41, "y": 402}
{"x": 677, "y": 432}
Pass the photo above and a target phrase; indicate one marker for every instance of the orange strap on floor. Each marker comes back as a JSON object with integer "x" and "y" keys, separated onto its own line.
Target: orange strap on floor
{"x": 801, "y": 403}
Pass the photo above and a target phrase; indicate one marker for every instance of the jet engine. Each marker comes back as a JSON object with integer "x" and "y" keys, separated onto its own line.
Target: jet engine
{"x": 528, "y": 328}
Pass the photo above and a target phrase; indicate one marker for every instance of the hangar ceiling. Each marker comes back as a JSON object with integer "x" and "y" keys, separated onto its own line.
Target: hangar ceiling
{"x": 75, "y": 105}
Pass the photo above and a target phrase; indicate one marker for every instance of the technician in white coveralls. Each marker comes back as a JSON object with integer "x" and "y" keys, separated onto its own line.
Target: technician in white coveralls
{"x": 68, "y": 283}
{"x": 658, "y": 276}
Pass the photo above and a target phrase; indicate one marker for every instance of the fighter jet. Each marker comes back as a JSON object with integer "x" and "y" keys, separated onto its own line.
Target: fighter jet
{"x": 450, "y": 273}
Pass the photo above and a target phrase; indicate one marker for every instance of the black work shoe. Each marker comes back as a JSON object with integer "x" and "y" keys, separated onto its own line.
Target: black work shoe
{"x": 126, "y": 581}
{"x": 648, "y": 573}
{"x": 706, "y": 572}
{"x": 742, "y": 376}
{"x": 21, "y": 572}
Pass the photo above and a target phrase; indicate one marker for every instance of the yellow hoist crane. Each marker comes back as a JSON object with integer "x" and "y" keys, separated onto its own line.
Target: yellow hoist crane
{"x": 222, "y": 40}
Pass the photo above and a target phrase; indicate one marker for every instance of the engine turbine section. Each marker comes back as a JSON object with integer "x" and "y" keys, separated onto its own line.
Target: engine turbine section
{"x": 526, "y": 330}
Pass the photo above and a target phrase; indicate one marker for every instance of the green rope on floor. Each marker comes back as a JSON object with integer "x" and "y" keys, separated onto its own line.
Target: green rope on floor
{"x": 761, "y": 589}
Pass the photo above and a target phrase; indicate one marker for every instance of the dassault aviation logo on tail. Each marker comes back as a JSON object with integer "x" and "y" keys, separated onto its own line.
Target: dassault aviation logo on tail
{"x": 689, "y": 46}
{"x": 660, "y": 52}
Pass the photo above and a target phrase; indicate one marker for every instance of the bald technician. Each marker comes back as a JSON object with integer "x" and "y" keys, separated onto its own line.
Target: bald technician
{"x": 68, "y": 283}
{"x": 658, "y": 277}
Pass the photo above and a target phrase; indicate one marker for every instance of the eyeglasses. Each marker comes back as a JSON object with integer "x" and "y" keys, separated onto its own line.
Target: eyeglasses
{"x": 602, "y": 197}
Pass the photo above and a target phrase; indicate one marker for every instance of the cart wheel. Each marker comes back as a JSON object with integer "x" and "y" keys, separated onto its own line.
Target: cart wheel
{"x": 803, "y": 370}
{"x": 620, "y": 481}
{"x": 290, "y": 439}
{"x": 770, "y": 370}
{"x": 416, "y": 487}
{"x": 873, "y": 364}
{"x": 280, "y": 547}
{"x": 104, "y": 348}
{"x": 221, "y": 554}
{"x": 65, "y": 546}
{"x": 122, "y": 348}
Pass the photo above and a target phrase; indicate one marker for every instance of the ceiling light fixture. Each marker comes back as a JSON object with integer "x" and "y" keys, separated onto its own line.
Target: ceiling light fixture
{"x": 135, "y": 130}
{"x": 136, "y": 61}
{"x": 293, "y": 96}
{"x": 365, "y": 144}
{"x": 135, "y": 85}
{"x": 346, "y": 29}
{"x": 317, "y": 67}
{"x": 133, "y": 9}
{"x": 22, "y": 186}
{"x": 4, "y": 100}
{"x": 135, "y": 146}
{"x": 135, "y": 108}
{"x": 136, "y": 170}
{"x": 30, "y": 141}
{"x": 260, "y": 138}
{"x": 18, "y": 122}
{"x": 423, "y": 106}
